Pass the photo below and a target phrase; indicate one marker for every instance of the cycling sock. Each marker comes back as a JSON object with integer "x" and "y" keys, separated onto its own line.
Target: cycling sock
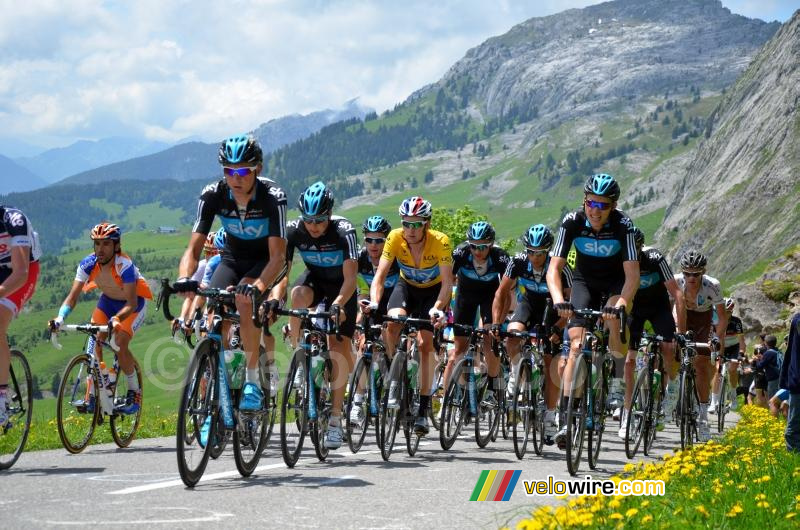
{"x": 133, "y": 382}
{"x": 358, "y": 397}
{"x": 424, "y": 403}
{"x": 335, "y": 420}
{"x": 251, "y": 375}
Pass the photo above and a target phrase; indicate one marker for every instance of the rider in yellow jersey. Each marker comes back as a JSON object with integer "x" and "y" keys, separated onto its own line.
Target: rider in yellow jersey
{"x": 423, "y": 290}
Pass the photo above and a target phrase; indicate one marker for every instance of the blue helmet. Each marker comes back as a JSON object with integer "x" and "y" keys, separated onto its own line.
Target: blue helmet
{"x": 220, "y": 238}
{"x": 376, "y": 223}
{"x": 603, "y": 185}
{"x": 240, "y": 149}
{"x": 480, "y": 230}
{"x": 538, "y": 236}
{"x": 315, "y": 200}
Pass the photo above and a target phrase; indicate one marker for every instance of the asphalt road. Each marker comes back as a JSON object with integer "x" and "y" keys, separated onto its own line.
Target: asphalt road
{"x": 140, "y": 486}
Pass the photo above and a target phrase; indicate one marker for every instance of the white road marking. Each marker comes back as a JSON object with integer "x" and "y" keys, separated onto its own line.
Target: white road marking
{"x": 212, "y": 517}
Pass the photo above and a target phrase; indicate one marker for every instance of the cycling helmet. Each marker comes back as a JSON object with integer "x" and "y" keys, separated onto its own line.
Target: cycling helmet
{"x": 729, "y": 304}
{"x": 415, "y": 207}
{"x": 693, "y": 260}
{"x": 603, "y": 185}
{"x": 638, "y": 236}
{"x": 480, "y": 230}
{"x": 376, "y": 223}
{"x": 220, "y": 238}
{"x": 538, "y": 236}
{"x": 315, "y": 200}
{"x": 106, "y": 230}
{"x": 240, "y": 149}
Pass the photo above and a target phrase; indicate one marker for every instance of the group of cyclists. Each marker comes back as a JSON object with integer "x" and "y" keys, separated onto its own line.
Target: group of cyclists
{"x": 409, "y": 271}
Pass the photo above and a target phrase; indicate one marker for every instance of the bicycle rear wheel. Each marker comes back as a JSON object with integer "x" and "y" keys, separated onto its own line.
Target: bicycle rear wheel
{"x": 539, "y": 409}
{"x": 636, "y": 425}
{"x": 19, "y": 404}
{"x": 486, "y": 421}
{"x": 522, "y": 411}
{"x": 294, "y": 409}
{"x": 390, "y": 417}
{"x": 651, "y": 419}
{"x": 687, "y": 410}
{"x": 324, "y": 406}
{"x": 77, "y": 410}
{"x": 722, "y": 406}
{"x": 453, "y": 407}
{"x": 576, "y": 415}
{"x": 197, "y": 415}
{"x": 599, "y": 414}
{"x": 124, "y": 426}
{"x": 250, "y": 433}
{"x": 437, "y": 395}
{"x": 357, "y": 432}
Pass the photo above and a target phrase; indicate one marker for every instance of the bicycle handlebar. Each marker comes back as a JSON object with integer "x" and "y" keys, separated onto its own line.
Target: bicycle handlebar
{"x": 86, "y": 328}
{"x": 222, "y": 295}
{"x": 307, "y": 313}
{"x": 623, "y": 320}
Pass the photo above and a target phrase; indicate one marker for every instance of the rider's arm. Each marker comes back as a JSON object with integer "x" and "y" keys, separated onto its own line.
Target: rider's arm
{"x": 501, "y": 299}
{"x": 279, "y": 291}
{"x": 275, "y": 265}
{"x": 72, "y": 298}
{"x": 191, "y": 256}
{"x": 631, "y": 284}
{"x": 376, "y": 289}
{"x": 349, "y": 270}
{"x": 20, "y": 261}
{"x": 554, "y": 284}
{"x": 722, "y": 322}
{"x": 446, "y": 288}
{"x": 680, "y": 303}
{"x": 742, "y": 345}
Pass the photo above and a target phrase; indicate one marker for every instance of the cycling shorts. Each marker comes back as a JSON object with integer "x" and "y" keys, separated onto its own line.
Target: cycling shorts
{"x": 108, "y": 307}
{"x": 231, "y": 272}
{"x": 731, "y": 353}
{"x": 699, "y": 322}
{"x": 415, "y": 301}
{"x": 17, "y": 300}
{"x": 585, "y": 296}
{"x": 325, "y": 292}
{"x": 529, "y": 317}
{"x": 659, "y": 314}
{"x": 467, "y": 305}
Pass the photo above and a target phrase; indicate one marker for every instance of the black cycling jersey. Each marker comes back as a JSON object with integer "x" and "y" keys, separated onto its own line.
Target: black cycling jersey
{"x": 599, "y": 256}
{"x": 16, "y": 231}
{"x": 532, "y": 284}
{"x": 367, "y": 271}
{"x": 732, "y": 332}
{"x": 325, "y": 255}
{"x": 470, "y": 279}
{"x": 654, "y": 271}
{"x": 248, "y": 230}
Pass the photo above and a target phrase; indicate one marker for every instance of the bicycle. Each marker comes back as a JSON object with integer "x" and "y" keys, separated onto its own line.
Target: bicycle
{"x": 368, "y": 375}
{"x": 647, "y": 397}
{"x": 86, "y": 395}
{"x": 723, "y": 404}
{"x": 19, "y": 405}
{"x": 464, "y": 398}
{"x": 400, "y": 403}
{"x": 589, "y": 414}
{"x": 209, "y": 402}
{"x": 307, "y": 396}
{"x": 437, "y": 385}
{"x": 688, "y": 399}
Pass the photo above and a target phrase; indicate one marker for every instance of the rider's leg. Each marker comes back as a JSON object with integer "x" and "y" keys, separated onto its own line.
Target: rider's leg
{"x": 460, "y": 346}
{"x": 6, "y": 315}
{"x": 302, "y": 297}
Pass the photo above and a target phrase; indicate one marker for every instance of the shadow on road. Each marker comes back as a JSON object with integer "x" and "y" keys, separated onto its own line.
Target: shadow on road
{"x": 52, "y": 471}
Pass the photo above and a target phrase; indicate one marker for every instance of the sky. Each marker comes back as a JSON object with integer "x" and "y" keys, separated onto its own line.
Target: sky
{"x": 171, "y": 69}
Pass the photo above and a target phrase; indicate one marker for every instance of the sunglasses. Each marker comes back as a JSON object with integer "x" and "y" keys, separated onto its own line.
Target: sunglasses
{"x": 534, "y": 252}
{"x": 374, "y": 240}
{"x": 599, "y": 205}
{"x": 413, "y": 224}
{"x": 692, "y": 274}
{"x": 238, "y": 171}
{"x": 479, "y": 246}
{"x": 318, "y": 220}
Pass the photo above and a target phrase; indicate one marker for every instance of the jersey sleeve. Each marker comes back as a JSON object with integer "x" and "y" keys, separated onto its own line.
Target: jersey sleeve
{"x": 211, "y": 266}
{"x": 512, "y": 269}
{"x": 627, "y": 239}
{"x": 85, "y": 268}
{"x": 664, "y": 269}
{"x": 127, "y": 272}
{"x": 291, "y": 238}
{"x": 206, "y": 209}
{"x": 347, "y": 236}
{"x": 714, "y": 291}
{"x": 446, "y": 256}
{"x": 565, "y": 237}
{"x": 502, "y": 261}
{"x": 18, "y": 228}
{"x": 566, "y": 278}
{"x": 390, "y": 247}
{"x": 277, "y": 204}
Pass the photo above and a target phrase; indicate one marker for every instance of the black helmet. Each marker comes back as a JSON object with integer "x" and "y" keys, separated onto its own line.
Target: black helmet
{"x": 376, "y": 223}
{"x": 638, "y": 237}
{"x": 693, "y": 260}
{"x": 240, "y": 149}
{"x": 603, "y": 185}
{"x": 315, "y": 200}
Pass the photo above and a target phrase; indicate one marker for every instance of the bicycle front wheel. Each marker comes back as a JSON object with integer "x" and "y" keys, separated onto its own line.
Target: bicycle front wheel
{"x": 687, "y": 412}
{"x": 393, "y": 400}
{"x": 77, "y": 410}
{"x": 437, "y": 395}
{"x": 522, "y": 411}
{"x": 294, "y": 409}
{"x": 576, "y": 415}
{"x": 250, "y": 434}
{"x": 722, "y": 407}
{"x": 636, "y": 425}
{"x": 124, "y": 426}
{"x": 357, "y": 430}
{"x": 19, "y": 404}
{"x": 454, "y": 407}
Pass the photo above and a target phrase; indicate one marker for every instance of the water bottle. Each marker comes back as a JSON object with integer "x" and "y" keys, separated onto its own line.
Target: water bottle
{"x": 317, "y": 368}
{"x": 106, "y": 394}
{"x": 640, "y": 363}
{"x": 234, "y": 360}
{"x": 413, "y": 367}
{"x": 112, "y": 378}
{"x": 656, "y": 381}
{"x": 536, "y": 376}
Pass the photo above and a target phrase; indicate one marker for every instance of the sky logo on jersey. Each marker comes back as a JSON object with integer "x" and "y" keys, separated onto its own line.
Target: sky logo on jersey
{"x": 388, "y": 283}
{"x": 648, "y": 280}
{"x": 472, "y": 275}
{"x": 534, "y": 287}
{"x": 249, "y": 229}
{"x": 599, "y": 248}
{"x": 495, "y": 485}
{"x": 323, "y": 259}
{"x": 420, "y": 275}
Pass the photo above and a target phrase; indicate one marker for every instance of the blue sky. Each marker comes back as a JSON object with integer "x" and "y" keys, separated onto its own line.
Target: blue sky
{"x": 169, "y": 69}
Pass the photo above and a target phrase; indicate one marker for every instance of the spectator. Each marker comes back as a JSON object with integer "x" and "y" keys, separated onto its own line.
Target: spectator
{"x": 745, "y": 379}
{"x": 758, "y": 388}
{"x": 790, "y": 380}
{"x": 779, "y": 403}
{"x": 769, "y": 363}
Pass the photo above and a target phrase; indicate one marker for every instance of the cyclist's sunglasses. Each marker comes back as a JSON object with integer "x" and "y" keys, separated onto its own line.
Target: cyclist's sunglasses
{"x": 374, "y": 240}
{"x": 600, "y": 205}
{"x": 238, "y": 171}
{"x": 479, "y": 246}
{"x": 692, "y": 274}
{"x": 536, "y": 252}
{"x": 413, "y": 224}
{"x": 319, "y": 219}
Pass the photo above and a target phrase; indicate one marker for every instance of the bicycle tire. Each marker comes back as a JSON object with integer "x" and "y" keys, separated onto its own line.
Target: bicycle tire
{"x": 636, "y": 426}
{"x": 250, "y": 433}
{"x": 576, "y": 416}
{"x": 487, "y": 416}
{"x": 219, "y": 447}
{"x": 125, "y": 426}
{"x": 539, "y": 409}
{"x": 390, "y": 417}
{"x": 687, "y": 426}
{"x": 200, "y": 392}
{"x": 599, "y": 414}
{"x": 653, "y": 412}
{"x": 357, "y": 433}
{"x": 294, "y": 410}
{"x": 722, "y": 407}
{"x": 521, "y": 411}
{"x": 68, "y": 418}
{"x": 19, "y": 400}
{"x": 320, "y": 426}
{"x": 454, "y": 408}
{"x": 437, "y": 395}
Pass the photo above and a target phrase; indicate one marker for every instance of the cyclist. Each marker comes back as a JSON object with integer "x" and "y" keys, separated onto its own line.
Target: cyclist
{"x": 376, "y": 229}
{"x": 700, "y": 294}
{"x": 426, "y": 280}
{"x": 606, "y": 265}
{"x": 192, "y": 302}
{"x": 478, "y": 265}
{"x": 651, "y": 304}
{"x": 328, "y": 248}
{"x": 252, "y": 210}
{"x": 528, "y": 272}
{"x": 121, "y": 305}
{"x": 733, "y": 348}
{"x": 19, "y": 270}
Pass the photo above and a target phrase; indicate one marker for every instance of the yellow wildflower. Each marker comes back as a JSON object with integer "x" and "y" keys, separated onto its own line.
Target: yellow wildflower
{"x": 702, "y": 509}
{"x": 646, "y": 519}
{"x": 735, "y": 510}
{"x": 615, "y": 515}
{"x": 630, "y": 513}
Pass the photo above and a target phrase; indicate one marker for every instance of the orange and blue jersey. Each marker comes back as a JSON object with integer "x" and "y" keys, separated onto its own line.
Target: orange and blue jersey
{"x": 124, "y": 271}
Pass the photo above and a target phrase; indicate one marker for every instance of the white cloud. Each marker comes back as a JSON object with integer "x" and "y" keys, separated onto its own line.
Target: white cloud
{"x": 167, "y": 69}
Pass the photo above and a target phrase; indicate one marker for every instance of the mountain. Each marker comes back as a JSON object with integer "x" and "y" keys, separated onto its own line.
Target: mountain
{"x": 738, "y": 197}
{"x": 55, "y": 164}
{"x": 199, "y": 160}
{"x": 14, "y": 177}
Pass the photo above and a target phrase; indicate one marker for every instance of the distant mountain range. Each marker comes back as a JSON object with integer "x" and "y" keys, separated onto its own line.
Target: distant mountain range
{"x": 14, "y": 177}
